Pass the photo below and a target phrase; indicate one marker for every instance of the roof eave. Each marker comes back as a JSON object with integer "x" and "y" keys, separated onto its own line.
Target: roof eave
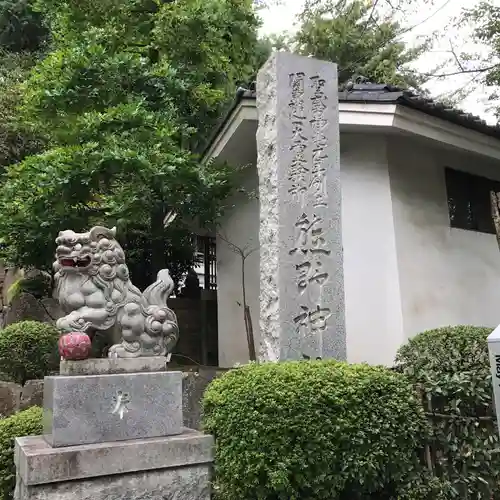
{"x": 384, "y": 115}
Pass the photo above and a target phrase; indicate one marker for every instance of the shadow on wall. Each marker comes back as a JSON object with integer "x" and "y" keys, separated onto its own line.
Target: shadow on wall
{"x": 198, "y": 341}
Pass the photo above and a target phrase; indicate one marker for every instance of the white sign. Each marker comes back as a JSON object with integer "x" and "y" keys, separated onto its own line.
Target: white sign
{"x": 494, "y": 350}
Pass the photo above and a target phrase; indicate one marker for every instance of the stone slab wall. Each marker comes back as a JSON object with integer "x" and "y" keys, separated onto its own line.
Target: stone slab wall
{"x": 14, "y": 397}
{"x": 26, "y": 307}
{"x": 194, "y": 384}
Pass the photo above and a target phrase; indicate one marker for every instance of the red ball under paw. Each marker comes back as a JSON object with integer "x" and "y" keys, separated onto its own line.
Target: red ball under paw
{"x": 74, "y": 346}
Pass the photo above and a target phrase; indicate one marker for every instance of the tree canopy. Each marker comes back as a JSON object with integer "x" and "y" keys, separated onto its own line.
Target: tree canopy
{"x": 485, "y": 18}
{"x": 359, "y": 38}
{"x": 16, "y": 141}
{"x": 107, "y": 103}
{"x": 22, "y": 29}
{"x": 363, "y": 38}
{"x": 23, "y": 37}
{"x": 122, "y": 106}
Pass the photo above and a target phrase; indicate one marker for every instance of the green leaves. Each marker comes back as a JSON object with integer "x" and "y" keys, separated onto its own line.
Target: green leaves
{"x": 451, "y": 365}
{"x": 218, "y": 51}
{"x": 485, "y": 20}
{"x": 322, "y": 430}
{"x": 24, "y": 423}
{"x": 16, "y": 141}
{"x": 361, "y": 40}
{"x": 28, "y": 350}
{"x": 122, "y": 106}
{"x": 328, "y": 430}
{"x": 21, "y": 28}
{"x": 118, "y": 177}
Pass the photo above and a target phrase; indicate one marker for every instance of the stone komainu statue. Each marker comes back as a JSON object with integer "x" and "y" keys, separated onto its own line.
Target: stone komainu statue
{"x": 96, "y": 294}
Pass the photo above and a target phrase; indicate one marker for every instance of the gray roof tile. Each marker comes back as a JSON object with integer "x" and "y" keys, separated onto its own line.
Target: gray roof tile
{"x": 368, "y": 92}
{"x": 387, "y": 94}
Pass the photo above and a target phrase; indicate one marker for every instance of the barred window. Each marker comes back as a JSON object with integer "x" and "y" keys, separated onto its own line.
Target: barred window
{"x": 207, "y": 260}
{"x": 469, "y": 204}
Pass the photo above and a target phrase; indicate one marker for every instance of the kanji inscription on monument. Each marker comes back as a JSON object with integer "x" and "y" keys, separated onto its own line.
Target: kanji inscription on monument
{"x": 302, "y": 284}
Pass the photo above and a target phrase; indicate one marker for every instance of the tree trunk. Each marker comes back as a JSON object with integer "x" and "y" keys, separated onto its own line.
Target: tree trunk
{"x": 246, "y": 314}
{"x": 250, "y": 336}
{"x": 495, "y": 213}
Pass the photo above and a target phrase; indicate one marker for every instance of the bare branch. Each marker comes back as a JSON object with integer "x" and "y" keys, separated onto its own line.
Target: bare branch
{"x": 454, "y": 73}
{"x": 457, "y": 94}
{"x": 230, "y": 244}
{"x": 244, "y": 252}
{"x": 400, "y": 33}
{"x": 452, "y": 50}
{"x": 370, "y": 18}
{"x": 495, "y": 213}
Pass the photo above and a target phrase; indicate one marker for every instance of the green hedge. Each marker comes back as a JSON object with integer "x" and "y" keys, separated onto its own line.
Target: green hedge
{"x": 28, "y": 350}
{"x": 24, "y": 423}
{"x": 451, "y": 366}
{"x": 314, "y": 430}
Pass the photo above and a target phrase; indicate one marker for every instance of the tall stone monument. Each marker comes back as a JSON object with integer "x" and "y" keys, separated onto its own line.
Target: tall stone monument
{"x": 298, "y": 161}
{"x": 113, "y": 428}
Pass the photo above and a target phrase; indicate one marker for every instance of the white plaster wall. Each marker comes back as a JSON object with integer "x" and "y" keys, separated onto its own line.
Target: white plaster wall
{"x": 373, "y": 308}
{"x": 240, "y": 226}
{"x": 405, "y": 269}
{"x": 447, "y": 276}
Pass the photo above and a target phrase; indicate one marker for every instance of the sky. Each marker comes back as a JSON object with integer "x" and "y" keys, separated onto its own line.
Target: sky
{"x": 436, "y": 18}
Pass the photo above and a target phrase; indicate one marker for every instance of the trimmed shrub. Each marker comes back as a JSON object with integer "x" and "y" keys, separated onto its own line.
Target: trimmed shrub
{"x": 451, "y": 366}
{"x": 313, "y": 430}
{"x": 24, "y": 423}
{"x": 28, "y": 350}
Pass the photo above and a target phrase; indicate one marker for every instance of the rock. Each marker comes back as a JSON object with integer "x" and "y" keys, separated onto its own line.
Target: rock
{"x": 113, "y": 366}
{"x": 27, "y": 307}
{"x": 10, "y": 397}
{"x": 32, "y": 394}
{"x": 52, "y": 309}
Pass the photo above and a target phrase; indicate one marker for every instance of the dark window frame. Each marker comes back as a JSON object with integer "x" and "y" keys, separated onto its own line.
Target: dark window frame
{"x": 469, "y": 200}
{"x": 206, "y": 250}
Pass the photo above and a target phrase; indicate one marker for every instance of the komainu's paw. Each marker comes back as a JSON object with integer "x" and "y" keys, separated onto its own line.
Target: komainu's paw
{"x": 119, "y": 351}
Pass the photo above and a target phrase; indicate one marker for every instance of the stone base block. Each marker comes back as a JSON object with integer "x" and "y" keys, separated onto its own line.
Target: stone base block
{"x": 110, "y": 366}
{"x": 170, "y": 468}
{"x": 105, "y": 408}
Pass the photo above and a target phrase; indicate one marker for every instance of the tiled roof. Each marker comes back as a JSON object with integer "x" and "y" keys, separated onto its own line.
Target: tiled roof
{"x": 374, "y": 93}
{"x": 388, "y": 94}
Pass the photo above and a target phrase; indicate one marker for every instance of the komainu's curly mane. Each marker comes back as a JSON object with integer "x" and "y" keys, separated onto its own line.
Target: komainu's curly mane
{"x": 94, "y": 289}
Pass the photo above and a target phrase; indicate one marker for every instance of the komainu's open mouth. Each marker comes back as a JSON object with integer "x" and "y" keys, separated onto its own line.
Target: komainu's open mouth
{"x": 75, "y": 261}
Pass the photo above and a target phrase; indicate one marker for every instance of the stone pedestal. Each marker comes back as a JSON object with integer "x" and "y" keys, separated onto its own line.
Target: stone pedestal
{"x": 102, "y": 408}
{"x": 114, "y": 435}
{"x": 168, "y": 468}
